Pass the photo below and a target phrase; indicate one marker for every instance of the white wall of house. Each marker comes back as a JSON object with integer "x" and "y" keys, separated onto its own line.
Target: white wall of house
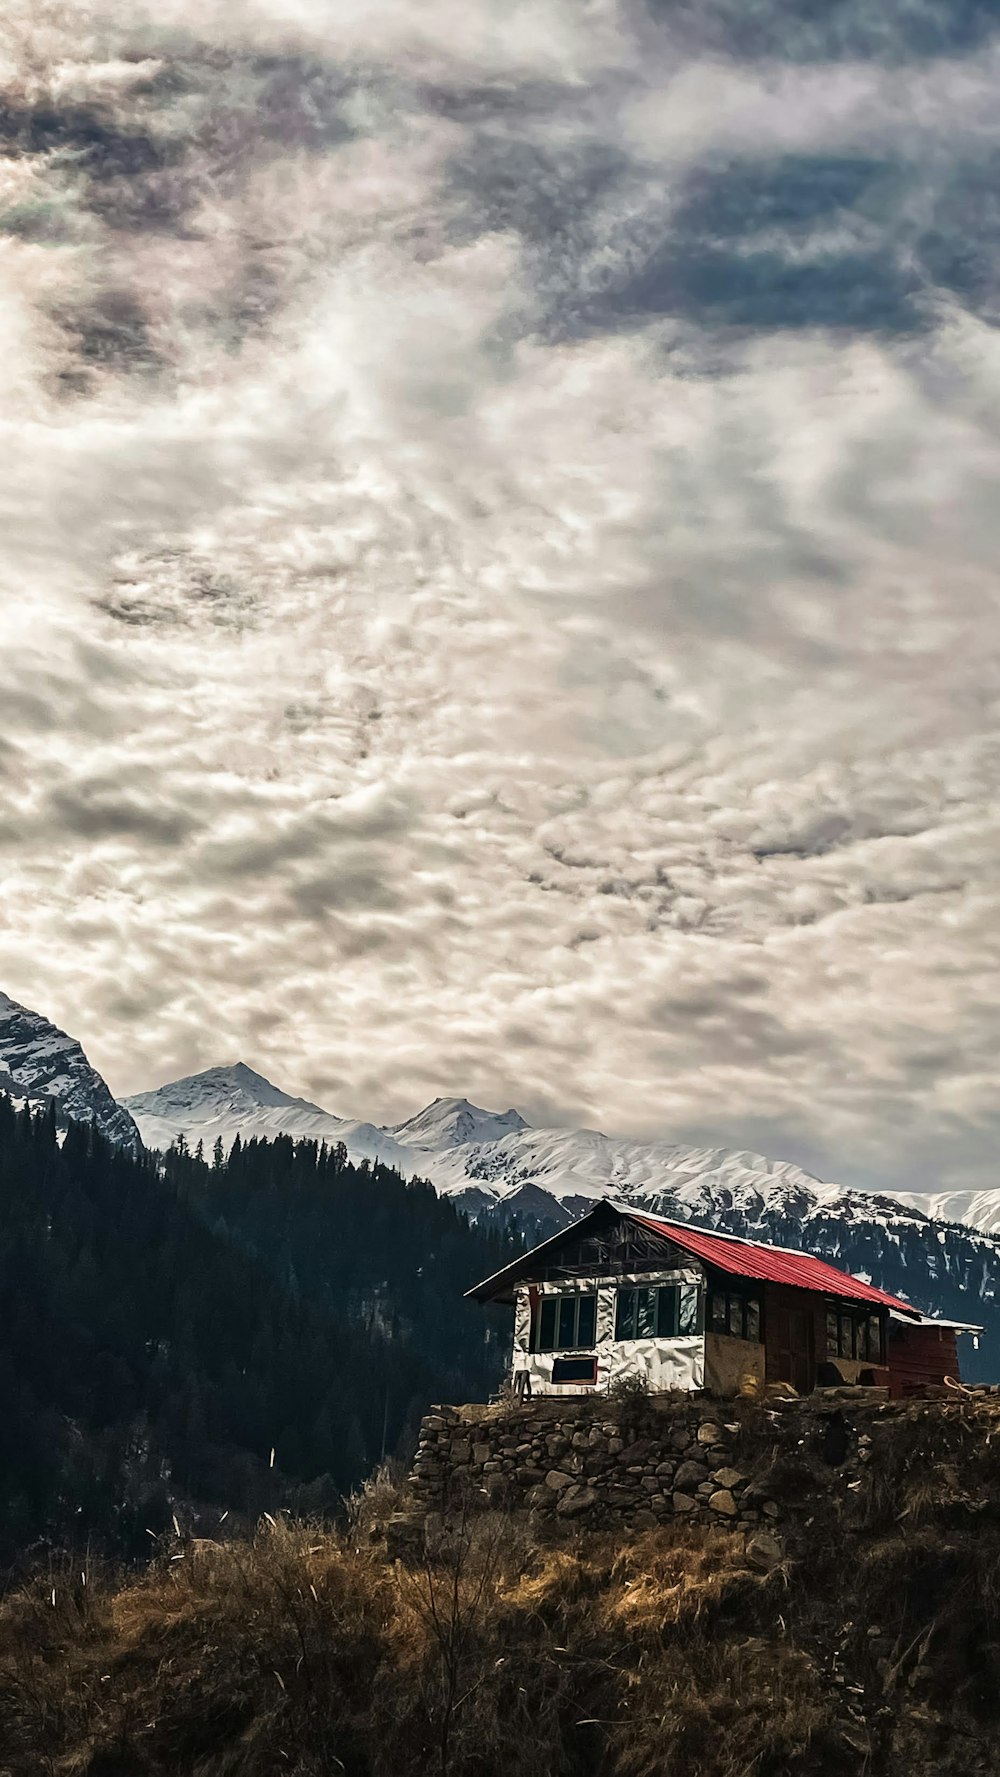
{"x": 677, "y": 1362}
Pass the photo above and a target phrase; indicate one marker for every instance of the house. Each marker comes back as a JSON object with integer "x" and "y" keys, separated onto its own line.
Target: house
{"x": 623, "y": 1294}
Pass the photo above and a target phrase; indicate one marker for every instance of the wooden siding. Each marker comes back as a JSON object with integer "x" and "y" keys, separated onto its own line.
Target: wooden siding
{"x": 795, "y": 1338}
{"x": 794, "y": 1335}
{"x": 920, "y": 1355}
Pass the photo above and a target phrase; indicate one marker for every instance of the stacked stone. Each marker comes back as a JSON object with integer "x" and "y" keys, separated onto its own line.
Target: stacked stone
{"x": 681, "y": 1465}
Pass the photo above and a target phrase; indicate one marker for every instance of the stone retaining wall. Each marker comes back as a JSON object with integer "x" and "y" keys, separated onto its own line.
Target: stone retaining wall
{"x": 583, "y": 1461}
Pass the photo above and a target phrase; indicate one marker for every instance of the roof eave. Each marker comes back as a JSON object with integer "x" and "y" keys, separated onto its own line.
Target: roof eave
{"x": 494, "y": 1288}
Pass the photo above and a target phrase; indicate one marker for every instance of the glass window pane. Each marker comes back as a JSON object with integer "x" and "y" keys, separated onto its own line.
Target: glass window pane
{"x": 547, "y": 1324}
{"x": 645, "y": 1314}
{"x": 567, "y": 1322}
{"x": 736, "y": 1317}
{"x": 846, "y": 1336}
{"x": 687, "y": 1318}
{"x": 832, "y": 1345}
{"x": 753, "y": 1320}
{"x": 625, "y": 1314}
{"x": 718, "y": 1313}
{"x": 666, "y": 1311}
{"x": 586, "y": 1324}
{"x": 875, "y": 1339}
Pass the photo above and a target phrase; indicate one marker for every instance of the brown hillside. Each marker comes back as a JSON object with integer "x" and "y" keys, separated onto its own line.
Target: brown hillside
{"x": 870, "y": 1643}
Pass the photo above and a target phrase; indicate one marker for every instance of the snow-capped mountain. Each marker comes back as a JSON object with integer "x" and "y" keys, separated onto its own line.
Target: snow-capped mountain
{"x": 980, "y": 1209}
{"x": 494, "y": 1164}
{"x": 453, "y": 1123}
{"x": 38, "y": 1061}
{"x": 224, "y": 1102}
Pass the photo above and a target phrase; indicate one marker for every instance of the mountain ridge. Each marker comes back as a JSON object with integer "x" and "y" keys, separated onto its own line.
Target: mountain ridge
{"x": 41, "y": 1063}
{"x": 498, "y": 1161}
{"x": 223, "y": 1102}
{"x": 496, "y": 1167}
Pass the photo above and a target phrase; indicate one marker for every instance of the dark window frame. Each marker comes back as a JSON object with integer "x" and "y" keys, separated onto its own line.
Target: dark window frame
{"x": 729, "y": 1308}
{"x": 552, "y": 1308}
{"x": 578, "y": 1370}
{"x": 855, "y": 1334}
{"x": 660, "y": 1315}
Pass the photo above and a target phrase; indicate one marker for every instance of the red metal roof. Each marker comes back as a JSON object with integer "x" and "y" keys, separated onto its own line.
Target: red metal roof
{"x": 772, "y": 1264}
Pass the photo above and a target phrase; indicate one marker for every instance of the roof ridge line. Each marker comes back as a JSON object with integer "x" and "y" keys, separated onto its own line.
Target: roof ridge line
{"x": 767, "y": 1246}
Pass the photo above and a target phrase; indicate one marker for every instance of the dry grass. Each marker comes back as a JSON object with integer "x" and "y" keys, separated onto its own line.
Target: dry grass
{"x": 300, "y": 1652}
{"x": 873, "y": 1649}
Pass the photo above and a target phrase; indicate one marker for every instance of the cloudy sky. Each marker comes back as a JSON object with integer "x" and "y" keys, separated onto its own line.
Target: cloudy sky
{"x": 500, "y": 527}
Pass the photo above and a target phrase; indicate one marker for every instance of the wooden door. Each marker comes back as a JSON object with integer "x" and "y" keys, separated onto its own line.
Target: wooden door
{"x": 794, "y": 1340}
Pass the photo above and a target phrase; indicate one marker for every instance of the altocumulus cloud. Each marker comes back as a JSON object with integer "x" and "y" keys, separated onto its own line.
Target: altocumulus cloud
{"x": 498, "y": 534}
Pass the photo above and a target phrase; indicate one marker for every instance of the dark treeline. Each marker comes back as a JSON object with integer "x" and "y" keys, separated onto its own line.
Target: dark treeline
{"x": 166, "y": 1324}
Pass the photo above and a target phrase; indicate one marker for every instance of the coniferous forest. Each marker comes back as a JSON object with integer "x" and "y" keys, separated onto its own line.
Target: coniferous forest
{"x": 221, "y": 1336}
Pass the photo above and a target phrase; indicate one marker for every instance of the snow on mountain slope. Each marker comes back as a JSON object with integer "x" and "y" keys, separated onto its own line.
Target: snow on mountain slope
{"x": 453, "y": 1122}
{"x": 229, "y": 1101}
{"x": 496, "y": 1161}
{"x": 576, "y": 1166}
{"x": 979, "y": 1209}
{"x": 39, "y": 1061}
{"x": 494, "y": 1164}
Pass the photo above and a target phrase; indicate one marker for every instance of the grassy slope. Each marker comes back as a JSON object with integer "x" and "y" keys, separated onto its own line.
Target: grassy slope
{"x": 873, "y": 1647}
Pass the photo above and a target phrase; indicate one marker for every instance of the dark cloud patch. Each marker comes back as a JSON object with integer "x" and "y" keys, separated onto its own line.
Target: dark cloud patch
{"x": 132, "y": 177}
{"x": 301, "y": 101}
{"x": 483, "y": 102}
{"x": 545, "y": 193}
{"x": 329, "y": 832}
{"x": 731, "y": 1032}
{"x": 856, "y": 291}
{"x": 782, "y": 244}
{"x": 36, "y": 221}
{"x": 787, "y": 242}
{"x": 171, "y": 589}
{"x": 553, "y": 192}
{"x": 110, "y": 333}
{"x": 794, "y": 193}
{"x": 89, "y": 133}
{"x": 111, "y": 815}
{"x": 891, "y": 31}
{"x": 343, "y": 889}
{"x": 960, "y": 248}
{"x": 821, "y": 836}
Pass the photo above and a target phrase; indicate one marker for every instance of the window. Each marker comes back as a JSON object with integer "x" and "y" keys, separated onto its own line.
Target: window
{"x": 565, "y": 1323}
{"x": 656, "y": 1312}
{"x": 575, "y": 1369}
{"x": 689, "y": 1309}
{"x": 852, "y": 1334}
{"x": 735, "y": 1315}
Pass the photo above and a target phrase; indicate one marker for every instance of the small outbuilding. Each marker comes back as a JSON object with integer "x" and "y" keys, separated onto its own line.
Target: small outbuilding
{"x": 924, "y": 1352}
{"x": 623, "y": 1294}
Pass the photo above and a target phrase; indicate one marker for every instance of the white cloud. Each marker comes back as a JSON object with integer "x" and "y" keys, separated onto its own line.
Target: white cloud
{"x": 408, "y": 695}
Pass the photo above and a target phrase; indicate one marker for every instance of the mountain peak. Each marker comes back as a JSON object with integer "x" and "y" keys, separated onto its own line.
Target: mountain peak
{"x": 451, "y": 1122}
{"x": 38, "y": 1061}
{"x": 232, "y": 1087}
{"x": 222, "y": 1102}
